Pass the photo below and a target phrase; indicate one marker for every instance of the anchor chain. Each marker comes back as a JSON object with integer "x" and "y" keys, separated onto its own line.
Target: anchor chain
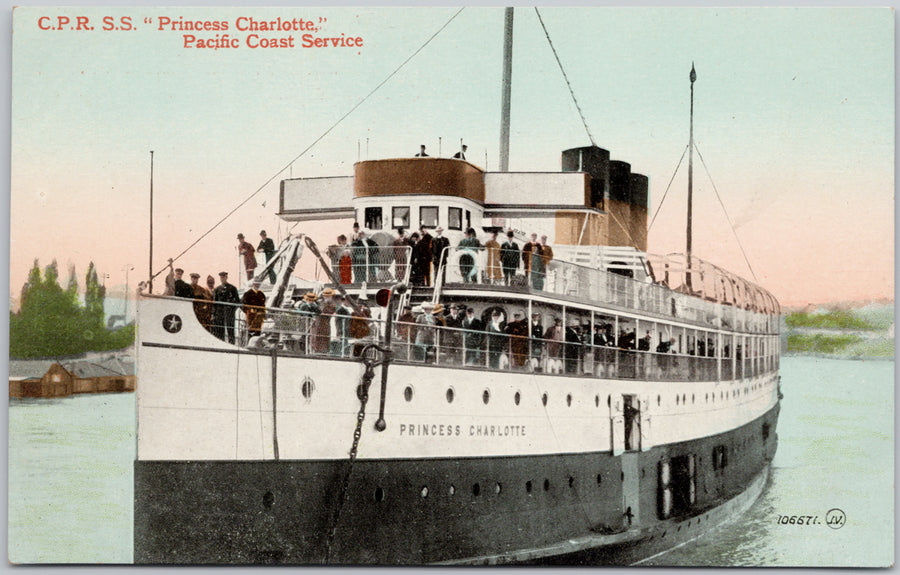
{"x": 370, "y": 361}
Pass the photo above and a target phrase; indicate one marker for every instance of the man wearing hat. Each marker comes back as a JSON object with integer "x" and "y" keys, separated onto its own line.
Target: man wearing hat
{"x": 223, "y": 312}
{"x": 246, "y": 249}
{"x": 451, "y": 339}
{"x": 254, "y": 308}
{"x": 363, "y": 257}
{"x": 473, "y": 338}
{"x": 308, "y": 310}
{"x": 518, "y": 339}
{"x": 182, "y": 288}
{"x": 438, "y": 251}
{"x": 202, "y": 301}
{"x": 425, "y": 249}
{"x": 267, "y": 246}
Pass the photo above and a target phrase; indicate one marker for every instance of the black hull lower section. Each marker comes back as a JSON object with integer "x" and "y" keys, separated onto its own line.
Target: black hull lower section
{"x": 575, "y": 508}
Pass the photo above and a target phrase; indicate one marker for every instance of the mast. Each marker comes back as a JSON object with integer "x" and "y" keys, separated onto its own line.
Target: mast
{"x": 150, "y": 267}
{"x": 690, "y": 196}
{"x": 506, "y": 89}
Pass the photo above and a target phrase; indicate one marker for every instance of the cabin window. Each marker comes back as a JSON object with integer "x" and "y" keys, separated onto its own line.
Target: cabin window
{"x": 373, "y": 219}
{"x": 454, "y": 218}
{"x": 719, "y": 457}
{"x": 428, "y": 216}
{"x": 468, "y": 219}
{"x": 400, "y": 217}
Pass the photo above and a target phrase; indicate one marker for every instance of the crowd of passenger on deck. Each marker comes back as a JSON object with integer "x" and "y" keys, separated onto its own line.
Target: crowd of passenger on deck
{"x": 360, "y": 259}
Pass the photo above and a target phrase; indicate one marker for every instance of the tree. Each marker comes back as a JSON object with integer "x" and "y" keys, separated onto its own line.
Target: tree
{"x": 51, "y": 322}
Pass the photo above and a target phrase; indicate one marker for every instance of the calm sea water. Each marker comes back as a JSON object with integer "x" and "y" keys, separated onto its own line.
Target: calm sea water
{"x": 70, "y": 477}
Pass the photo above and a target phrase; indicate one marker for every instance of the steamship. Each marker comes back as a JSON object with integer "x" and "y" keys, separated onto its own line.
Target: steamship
{"x": 645, "y": 419}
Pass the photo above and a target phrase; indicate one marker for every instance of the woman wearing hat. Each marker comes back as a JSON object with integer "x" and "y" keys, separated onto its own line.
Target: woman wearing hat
{"x": 321, "y": 326}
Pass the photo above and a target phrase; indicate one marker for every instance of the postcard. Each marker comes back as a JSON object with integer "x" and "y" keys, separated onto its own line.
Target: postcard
{"x": 452, "y": 285}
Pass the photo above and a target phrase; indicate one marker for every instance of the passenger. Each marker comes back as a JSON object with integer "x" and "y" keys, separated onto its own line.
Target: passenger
{"x": 223, "y": 312}
{"x": 509, "y": 257}
{"x": 334, "y": 252}
{"x": 572, "y": 346}
{"x": 451, "y": 342}
{"x": 267, "y": 247}
{"x": 202, "y": 302}
{"x": 421, "y": 153}
{"x": 498, "y": 342}
{"x": 438, "y": 251}
{"x": 467, "y": 267}
{"x": 473, "y": 337}
{"x": 518, "y": 340}
{"x": 170, "y": 280}
{"x": 363, "y": 256}
{"x": 537, "y": 267}
{"x": 321, "y": 326}
{"x": 210, "y": 284}
{"x": 254, "y": 306}
{"x": 461, "y": 155}
{"x": 537, "y": 341}
{"x": 359, "y": 324}
{"x": 181, "y": 287}
{"x": 355, "y": 234}
{"x": 405, "y": 331}
{"x": 554, "y": 335}
{"x": 492, "y": 246}
{"x": 426, "y": 254}
{"x": 416, "y": 273}
{"x": 343, "y": 311}
{"x": 309, "y": 309}
{"x": 402, "y": 249}
{"x": 425, "y": 332}
{"x": 247, "y": 251}
{"x": 527, "y": 250}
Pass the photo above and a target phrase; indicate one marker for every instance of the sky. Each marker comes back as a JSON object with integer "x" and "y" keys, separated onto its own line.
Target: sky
{"x": 794, "y": 120}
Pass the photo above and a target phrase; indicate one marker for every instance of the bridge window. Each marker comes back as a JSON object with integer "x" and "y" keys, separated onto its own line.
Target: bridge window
{"x": 373, "y": 219}
{"x": 428, "y": 216}
{"x": 400, "y": 217}
{"x": 454, "y": 218}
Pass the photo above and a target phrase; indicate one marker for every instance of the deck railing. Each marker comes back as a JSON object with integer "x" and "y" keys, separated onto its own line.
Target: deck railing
{"x": 476, "y": 266}
{"x": 344, "y": 334}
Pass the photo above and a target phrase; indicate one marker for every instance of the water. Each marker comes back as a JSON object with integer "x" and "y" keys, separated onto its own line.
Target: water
{"x": 70, "y": 477}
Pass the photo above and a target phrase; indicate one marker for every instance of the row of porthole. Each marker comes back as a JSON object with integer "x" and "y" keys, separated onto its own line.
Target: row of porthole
{"x": 379, "y": 494}
{"x": 517, "y": 398}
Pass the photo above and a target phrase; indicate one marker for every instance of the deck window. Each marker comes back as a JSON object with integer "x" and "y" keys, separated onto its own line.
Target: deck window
{"x": 454, "y": 218}
{"x": 400, "y": 217}
{"x": 428, "y": 216}
{"x": 373, "y": 219}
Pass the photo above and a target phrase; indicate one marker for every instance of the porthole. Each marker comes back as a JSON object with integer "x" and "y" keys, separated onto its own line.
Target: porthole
{"x": 517, "y": 398}
{"x": 486, "y": 396}
{"x": 571, "y": 482}
{"x": 677, "y": 400}
{"x": 599, "y": 479}
{"x": 622, "y": 476}
{"x": 452, "y": 490}
{"x": 476, "y": 490}
{"x": 658, "y": 400}
{"x": 608, "y": 401}
{"x": 544, "y": 398}
{"x": 497, "y": 488}
{"x": 692, "y": 398}
{"x": 268, "y": 500}
{"x": 307, "y": 387}
{"x": 450, "y": 395}
{"x": 528, "y": 486}
{"x": 569, "y": 400}
{"x": 596, "y": 401}
{"x": 378, "y": 495}
{"x": 408, "y": 393}
{"x": 424, "y": 491}
{"x": 546, "y": 485}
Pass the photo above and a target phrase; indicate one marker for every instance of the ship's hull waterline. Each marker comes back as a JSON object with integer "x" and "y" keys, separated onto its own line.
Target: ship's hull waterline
{"x": 448, "y": 510}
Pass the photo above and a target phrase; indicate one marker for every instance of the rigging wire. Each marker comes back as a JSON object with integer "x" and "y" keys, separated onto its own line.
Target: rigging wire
{"x": 659, "y": 207}
{"x": 566, "y": 77}
{"x": 727, "y": 217}
{"x": 289, "y": 165}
